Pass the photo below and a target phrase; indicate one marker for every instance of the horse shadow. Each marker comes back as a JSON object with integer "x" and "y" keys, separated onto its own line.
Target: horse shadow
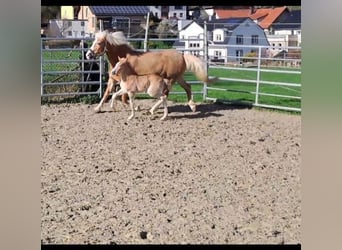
{"x": 182, "y": 111}
{"x": 204, "y": 110}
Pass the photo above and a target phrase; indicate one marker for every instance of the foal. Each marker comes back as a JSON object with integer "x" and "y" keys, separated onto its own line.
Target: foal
{"x": 130, "y": 83}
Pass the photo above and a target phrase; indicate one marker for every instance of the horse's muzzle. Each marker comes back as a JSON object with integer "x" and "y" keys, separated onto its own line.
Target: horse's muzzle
{"x": 90, "y": 54}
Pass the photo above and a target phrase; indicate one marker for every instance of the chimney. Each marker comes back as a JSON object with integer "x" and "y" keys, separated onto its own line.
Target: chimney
{"x": 251, "y": 10}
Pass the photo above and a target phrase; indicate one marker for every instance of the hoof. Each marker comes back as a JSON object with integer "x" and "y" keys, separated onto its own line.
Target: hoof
{"x": 97, "y": 109}
{"x": 192, "y": 106}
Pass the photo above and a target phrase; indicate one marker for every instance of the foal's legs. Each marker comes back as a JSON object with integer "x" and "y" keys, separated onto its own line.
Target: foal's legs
{"x": 187, "y": 87}
{"x": 131, "y": 96}
{"x": 110, "y": 87}
{"x": 163, "y": 99}
{"x": 120, "y": 92}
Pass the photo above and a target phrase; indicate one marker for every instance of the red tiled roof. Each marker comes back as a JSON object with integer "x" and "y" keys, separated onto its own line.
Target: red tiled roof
{"x": 265, "y": 16}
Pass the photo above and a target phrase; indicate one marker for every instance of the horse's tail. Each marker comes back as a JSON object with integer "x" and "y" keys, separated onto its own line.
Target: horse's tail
{"x": 197, "y": 66}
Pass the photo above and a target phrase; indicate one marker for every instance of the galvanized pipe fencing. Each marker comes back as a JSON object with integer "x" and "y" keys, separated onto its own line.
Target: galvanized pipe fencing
{"x": 230, "y": 63}
{"x": 63, "y": 68}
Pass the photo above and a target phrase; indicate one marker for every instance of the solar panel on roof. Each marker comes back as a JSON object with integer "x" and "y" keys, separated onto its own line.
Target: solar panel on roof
{"x": 121, "y": 10}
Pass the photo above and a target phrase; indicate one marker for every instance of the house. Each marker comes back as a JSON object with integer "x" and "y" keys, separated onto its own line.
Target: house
{"x": 124, "y": 18}
{"x": 228, "y": 39}
{"x": 67, "y": 12}
{"x": 67, "y": 28}
{"x": 170, "y": 12}
{"x": 291, "y": 25}
{"x": 282, "y": 26}
{"x": 264, "y": 17}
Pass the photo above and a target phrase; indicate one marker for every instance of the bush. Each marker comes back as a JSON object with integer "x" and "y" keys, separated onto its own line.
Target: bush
{"x": 252, "y": 56}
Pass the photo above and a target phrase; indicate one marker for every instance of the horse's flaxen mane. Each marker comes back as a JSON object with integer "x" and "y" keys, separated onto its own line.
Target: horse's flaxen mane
{"x": 114, "y": 38}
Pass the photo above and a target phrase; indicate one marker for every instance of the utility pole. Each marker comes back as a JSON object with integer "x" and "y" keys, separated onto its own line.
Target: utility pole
{"x": 146, "y": 31}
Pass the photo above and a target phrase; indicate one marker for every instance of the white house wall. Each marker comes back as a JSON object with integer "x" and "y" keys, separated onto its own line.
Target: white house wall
{"x": 193, "y": 30}
{"x": 217, "y": 52}
{"x": 180, "y": 13}
{"x": 195, "y": 33}
{"x": 218, "y": 35}
{"x": 156, "y": 10}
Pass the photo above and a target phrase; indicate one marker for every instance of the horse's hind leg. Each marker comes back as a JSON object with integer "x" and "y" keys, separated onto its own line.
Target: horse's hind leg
{"x": 131, "y": 103}
{"x": 156, "y": 105}
{"x": 187, "y": 87}
{"x": 164, "y": 100}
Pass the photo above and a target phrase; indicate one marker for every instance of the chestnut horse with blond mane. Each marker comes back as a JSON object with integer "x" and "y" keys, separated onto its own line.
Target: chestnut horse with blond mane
{"x": 169, "y": 64}
{"x": 130, "y": 84}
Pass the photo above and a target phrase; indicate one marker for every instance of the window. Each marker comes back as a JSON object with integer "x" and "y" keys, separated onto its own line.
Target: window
{"x": 69, "y": 24}
{"x": 178, "y": 7}
{"x": 180, "y": 14}
{"x": 238, "y": 54}
{"x": 156, "y": 14}
{"x": 82, "y": 23}
{"x": 93, "y": 22}
{"x": 239, "y": 39}
{"x": 174, "y": 14}
{"x": 120, "y": 24}
{"x": 217, "y": 53}
{"x": 255, "y": 39}
{"x": 69, "y": 33}
{"x": 82, "y": 33}
{"x": 218, "y": 37}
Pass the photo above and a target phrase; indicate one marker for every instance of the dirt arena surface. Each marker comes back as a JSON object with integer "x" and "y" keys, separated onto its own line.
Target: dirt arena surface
{"x": 221, "y": 175}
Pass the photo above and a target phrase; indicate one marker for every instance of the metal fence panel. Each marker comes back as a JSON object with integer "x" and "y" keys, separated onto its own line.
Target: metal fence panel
{"x": 63, "y": 66}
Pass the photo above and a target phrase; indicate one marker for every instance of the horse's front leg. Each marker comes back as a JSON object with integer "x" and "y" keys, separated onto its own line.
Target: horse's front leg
{"x": 120, "y": 92}
{"x": 108, "y": 90}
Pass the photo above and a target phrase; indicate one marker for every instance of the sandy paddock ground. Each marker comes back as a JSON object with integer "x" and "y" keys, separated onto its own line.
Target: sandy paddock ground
{"x": 221, "y": 175}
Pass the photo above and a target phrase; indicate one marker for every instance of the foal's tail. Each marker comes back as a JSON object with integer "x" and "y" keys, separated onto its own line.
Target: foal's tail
{"x": 197, "y": 66}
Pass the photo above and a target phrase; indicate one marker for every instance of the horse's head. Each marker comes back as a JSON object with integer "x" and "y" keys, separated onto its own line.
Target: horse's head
{"x": 120, "y": 65}
{"x": 98, "y": 48}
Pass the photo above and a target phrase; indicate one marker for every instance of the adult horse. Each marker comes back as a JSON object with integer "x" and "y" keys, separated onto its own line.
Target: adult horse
{"x": 169, "y": 64}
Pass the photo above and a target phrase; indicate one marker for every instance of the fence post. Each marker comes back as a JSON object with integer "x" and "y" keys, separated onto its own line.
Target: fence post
{"x": 258, "y": 78}
{"x": 146, "y": 31}
{"x": 41, "y": 66}
{"x": 205, "y": 45}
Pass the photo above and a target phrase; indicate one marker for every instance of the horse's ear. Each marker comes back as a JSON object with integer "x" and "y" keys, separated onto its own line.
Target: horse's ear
{"x": 119, "y": 58}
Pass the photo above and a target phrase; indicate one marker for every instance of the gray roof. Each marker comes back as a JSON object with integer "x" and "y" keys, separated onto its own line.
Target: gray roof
{"x": 291, "y": 20}
{"x": 178, "y": 43}
{"x": 227, "y": 23}
{"x": 119, "y": 10}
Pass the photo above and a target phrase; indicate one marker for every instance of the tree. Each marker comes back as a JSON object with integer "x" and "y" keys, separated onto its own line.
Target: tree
{"x": 49, "y": 12}
{"x": 165, "y": 29}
